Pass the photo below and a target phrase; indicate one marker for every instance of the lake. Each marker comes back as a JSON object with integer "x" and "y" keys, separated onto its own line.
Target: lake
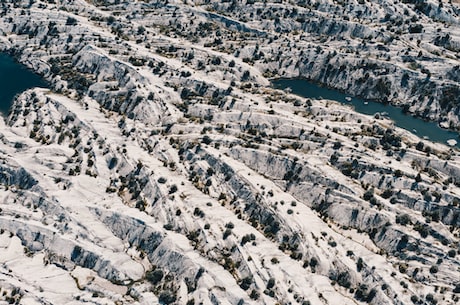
{"x": 14, "y": 79}
{"x": 422, "y": 128}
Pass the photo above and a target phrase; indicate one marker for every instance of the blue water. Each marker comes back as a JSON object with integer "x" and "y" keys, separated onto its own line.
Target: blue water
{"x": 417, "y": 126}
{"x": 14, "y": 79}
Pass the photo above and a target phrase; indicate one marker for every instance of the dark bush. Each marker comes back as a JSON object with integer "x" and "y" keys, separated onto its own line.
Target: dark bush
{"x": 415, "y": 28}
{"x": 359, "y": 264}
{"x": 246, "y": 283}
{"x": 207, "y": 140}
{"x": 271, "y": 283}
{"x": 419, "y": 146}
{"x": 434, "y": 269}
{"x": 343, "y": 279}
{"x": 154, "y": 276}
{"x": 167, "y": 297}
{"x": 403, "y": 219}
{"x": 254, "y": 294}
{"x": 227, "y": 233}
{"x": 173, "y": 189}
{"x": 71, "y": 21}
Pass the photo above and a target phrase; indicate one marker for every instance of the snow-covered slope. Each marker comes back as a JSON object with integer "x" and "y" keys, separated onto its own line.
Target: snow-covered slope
{"x": 161, "y": 168}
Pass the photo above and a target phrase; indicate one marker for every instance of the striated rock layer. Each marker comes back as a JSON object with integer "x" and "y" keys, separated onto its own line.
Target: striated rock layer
{"x": 161, "y": 168}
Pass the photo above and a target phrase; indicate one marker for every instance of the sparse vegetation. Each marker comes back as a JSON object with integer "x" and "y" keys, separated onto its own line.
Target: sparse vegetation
{"x": 189, "y": 154}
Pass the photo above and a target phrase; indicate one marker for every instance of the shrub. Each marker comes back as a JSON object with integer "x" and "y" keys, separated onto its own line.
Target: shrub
{"x": 271, "y": 283}
{"x": 247, "y": 238}
{"x": 245, "y": 76}
{"x": 313, "y": 262}
{"x": 154, "y": 276}
{"x": 403, "y": 268}
{"x": 254, "y": 294}
{"x": 343, "y": 279}
{"x": 434, "y": 269}
{"x": 416, "y": 28}
{"x": 198, "y": 212}
{"x": 387, "y": 193}
{"x": 246, "y": 283}
{"x": 167, "y": 297}
{"x": 430, "y": 298}
{"x": 337, "y": 145}
{"x": 207, "y": 140}
{"x": 227, "y": 233}
{"x": 173, "y": 189}
{"x": 419, "y": 146}
{"x": 422, "y": 229}
{"x": 403, "y": 219}
{"x": 71, "y": 21}
{"x": 360, "y": 264}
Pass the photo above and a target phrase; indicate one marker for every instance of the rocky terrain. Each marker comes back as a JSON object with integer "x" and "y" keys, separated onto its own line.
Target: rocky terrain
{"x": 161, "y": 167}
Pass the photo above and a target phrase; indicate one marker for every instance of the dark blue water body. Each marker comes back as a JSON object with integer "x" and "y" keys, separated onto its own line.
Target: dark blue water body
{"x": 14, "y": 79}
{"x": 422, "y": 128}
